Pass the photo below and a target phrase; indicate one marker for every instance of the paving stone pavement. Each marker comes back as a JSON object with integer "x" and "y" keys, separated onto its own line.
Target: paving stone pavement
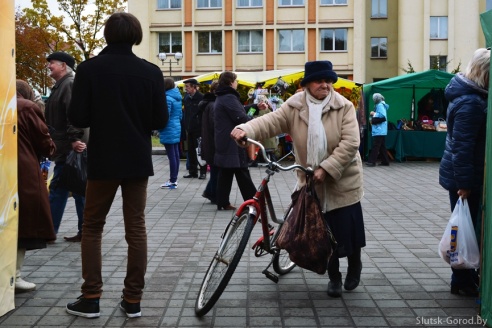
{"x": 404, "y": 282}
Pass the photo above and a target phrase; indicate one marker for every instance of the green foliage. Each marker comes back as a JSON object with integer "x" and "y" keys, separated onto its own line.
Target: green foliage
{"x": 457, "y": 69}
{"x": 409, "y": 68}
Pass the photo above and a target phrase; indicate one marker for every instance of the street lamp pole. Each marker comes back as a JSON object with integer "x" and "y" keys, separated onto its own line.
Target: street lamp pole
{"x": 162, "y": 57}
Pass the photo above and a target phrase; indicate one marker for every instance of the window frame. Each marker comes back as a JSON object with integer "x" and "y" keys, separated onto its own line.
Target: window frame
{"x": 379, "y": 56}
{"x": 169, "y": 7}
{"x": 439, "y": 59}
{"x": 250, "y": 42}
{"x": 280, "y": 4}
{"x": 249, "y": 5}
{"x": 334, "y": 39}
{"x": 170, "y": 39}
{"x": 438, "y": 37}
{"x": 333, "y": 3}
{"x": 219, "y": 6}
{"x": 292, "y": 38}
{"x": 210, "y": 43}
{"x": 379, "y": 14}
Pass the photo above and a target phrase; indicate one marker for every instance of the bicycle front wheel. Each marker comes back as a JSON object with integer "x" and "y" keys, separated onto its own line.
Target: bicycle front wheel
{"x": 224, "y": 262}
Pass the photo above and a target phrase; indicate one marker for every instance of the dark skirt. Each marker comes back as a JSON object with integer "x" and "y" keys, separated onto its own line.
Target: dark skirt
{"x": 31, "y": 243}
{"x": 347, "y": 226}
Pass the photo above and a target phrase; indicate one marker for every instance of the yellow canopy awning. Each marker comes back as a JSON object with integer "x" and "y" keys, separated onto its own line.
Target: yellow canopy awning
{"x": 268, "y": 78}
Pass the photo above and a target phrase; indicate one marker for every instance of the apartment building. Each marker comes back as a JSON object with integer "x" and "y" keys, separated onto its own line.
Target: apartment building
{"x": 366, "y": 40}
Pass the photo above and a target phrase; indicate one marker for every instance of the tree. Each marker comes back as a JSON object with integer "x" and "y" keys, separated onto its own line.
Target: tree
{"x": 78, "y": 31}
{"x": 409, "y": 69}
{"x": 32, "y": 45}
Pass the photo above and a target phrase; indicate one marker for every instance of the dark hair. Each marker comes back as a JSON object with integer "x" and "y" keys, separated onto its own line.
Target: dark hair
{"x": 168, "y": 83}
{"x": 213, "y": 86}
{"x": 227, "y": 78}
{"x": 123, "y": 28}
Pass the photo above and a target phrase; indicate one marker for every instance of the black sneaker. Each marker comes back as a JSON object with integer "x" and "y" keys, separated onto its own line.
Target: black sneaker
{"x": 132, "y": 310}
{"x": 84, "y": 307}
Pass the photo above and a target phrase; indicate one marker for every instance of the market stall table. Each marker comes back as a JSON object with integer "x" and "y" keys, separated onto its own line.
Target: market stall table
{"x": 421, "y": 144}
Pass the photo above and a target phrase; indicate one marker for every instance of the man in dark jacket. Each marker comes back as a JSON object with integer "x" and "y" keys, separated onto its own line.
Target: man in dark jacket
{"x": 193, "y": 125}
{"x": 65, "y": 136}
{"x": 121, "y": 98}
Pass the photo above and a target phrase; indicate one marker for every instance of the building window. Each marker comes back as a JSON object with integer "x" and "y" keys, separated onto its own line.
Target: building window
{"x": 334, "y": 39}
{"x": 379, "y": 9}
{"x": 170, "y": 43}
{"x": 333, "y": 2}
{"x": 249, "y": 3}
{"x": 209, "y": 4}
{"x": 291, "y": 40}
{"x": 250, "y": 41}
{"x": 286, "y": 3}
{"x": 210, "y": 42}
{"x": 168, "y": 4}
{"x": 379, "y": 47}
{"x": 439, "y": 63}
{"x": 439, "y": 27}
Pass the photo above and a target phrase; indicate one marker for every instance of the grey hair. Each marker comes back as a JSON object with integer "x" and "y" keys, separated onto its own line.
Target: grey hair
{"x": 478, "y": 68}
{"x": 377, "y": 98}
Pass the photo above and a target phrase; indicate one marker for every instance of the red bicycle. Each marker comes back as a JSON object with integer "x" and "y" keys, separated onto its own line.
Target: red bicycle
{"x": 236, "y": 236}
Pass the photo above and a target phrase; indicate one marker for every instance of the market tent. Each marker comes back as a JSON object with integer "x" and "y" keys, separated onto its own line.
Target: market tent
{"x": 269, "y": 78}
{"x": 402, "y": 91}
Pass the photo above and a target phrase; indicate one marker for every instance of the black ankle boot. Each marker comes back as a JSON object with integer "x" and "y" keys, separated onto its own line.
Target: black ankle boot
{"x": 335, "y": 284}
{"x": 354, "y": 269}
{"x": 335, "y": 288}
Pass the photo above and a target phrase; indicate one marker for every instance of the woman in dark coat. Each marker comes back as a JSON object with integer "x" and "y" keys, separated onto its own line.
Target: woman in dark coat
{"x": 34, "y": 141}
{"x": 229, "y": 157}
{"x": 461, "y": 170}
{"x": 206, "y": 106}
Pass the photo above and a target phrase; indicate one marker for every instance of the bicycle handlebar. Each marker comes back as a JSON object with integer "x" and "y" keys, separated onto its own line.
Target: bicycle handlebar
{"x": 275, "y": 165}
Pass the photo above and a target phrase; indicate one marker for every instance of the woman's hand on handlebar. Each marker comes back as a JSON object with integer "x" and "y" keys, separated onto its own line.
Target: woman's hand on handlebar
{"x": 239, "y": 135}
{"x": 319, "y": 175}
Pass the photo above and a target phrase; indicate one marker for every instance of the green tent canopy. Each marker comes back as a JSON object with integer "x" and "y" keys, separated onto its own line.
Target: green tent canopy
{"x": 400, "y": 91}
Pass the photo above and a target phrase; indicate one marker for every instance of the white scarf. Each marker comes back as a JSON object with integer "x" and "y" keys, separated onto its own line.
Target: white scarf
{"x": 316, "y": 138}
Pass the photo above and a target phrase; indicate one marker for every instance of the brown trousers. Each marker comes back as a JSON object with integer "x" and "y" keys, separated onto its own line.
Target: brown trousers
{"x": 99, "y": 198}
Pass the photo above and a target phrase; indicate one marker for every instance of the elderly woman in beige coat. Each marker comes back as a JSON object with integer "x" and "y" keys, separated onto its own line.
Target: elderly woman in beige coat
{"x": 325, "y": 133}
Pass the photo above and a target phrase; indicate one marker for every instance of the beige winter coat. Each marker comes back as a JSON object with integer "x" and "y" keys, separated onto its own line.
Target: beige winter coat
{"x": 344, "y": 182}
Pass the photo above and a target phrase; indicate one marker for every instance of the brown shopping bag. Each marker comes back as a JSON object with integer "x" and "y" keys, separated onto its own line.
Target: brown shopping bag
{"x": 305, "y": 234}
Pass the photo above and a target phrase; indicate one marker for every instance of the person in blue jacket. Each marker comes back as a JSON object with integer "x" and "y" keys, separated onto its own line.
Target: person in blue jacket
{"x": 170, "y": 136}
{"x": 379, "y": 123}
{"x": 461, "y": 171}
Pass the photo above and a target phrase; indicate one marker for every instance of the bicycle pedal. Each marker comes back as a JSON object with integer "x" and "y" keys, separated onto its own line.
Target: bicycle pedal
{"x": 273, "y": 277}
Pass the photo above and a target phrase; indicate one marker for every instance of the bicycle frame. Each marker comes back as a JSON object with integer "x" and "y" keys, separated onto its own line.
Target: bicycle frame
{"x": 236, "y": 237}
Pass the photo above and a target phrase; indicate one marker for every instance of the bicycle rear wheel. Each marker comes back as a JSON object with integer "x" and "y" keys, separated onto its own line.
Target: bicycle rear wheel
{"x": 224, "y": 262}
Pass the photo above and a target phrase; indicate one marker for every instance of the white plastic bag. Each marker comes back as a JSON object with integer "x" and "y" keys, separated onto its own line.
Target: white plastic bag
{"x": 458, "y": 245}
{"x": 201, "y": 161}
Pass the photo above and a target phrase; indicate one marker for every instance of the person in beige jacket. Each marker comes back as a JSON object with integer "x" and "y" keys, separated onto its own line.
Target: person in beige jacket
{"x": 325, "y": 133}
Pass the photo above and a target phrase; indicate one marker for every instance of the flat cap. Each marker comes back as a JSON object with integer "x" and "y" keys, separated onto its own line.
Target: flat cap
{"x": 63, "y": 57}
{"x": 191, "y": 81}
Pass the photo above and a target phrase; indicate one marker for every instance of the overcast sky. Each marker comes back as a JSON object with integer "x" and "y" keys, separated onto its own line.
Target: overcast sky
{"x": 53, "y": 5}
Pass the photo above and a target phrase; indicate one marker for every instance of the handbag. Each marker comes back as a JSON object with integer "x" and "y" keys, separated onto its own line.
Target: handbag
{"x": 458, "y": 245}
{"x": 428, "y": 127}
{"x": 74, "y": 173}
{"x": 441, "y": 125}
{"x": 426, "y": 120}
{"x": 305, "y": 234}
